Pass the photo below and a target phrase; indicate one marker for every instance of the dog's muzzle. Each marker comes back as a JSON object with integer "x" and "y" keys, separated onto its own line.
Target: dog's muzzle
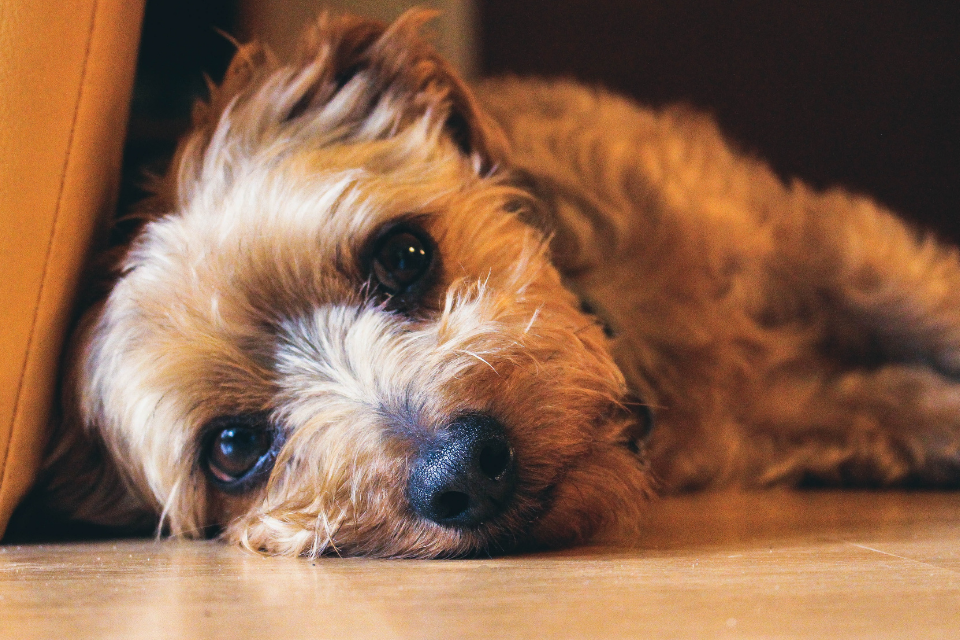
{"x": 465, "y": 475}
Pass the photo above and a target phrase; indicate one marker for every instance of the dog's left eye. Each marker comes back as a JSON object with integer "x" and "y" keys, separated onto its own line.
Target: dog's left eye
{"x": 239, "y": 452}
{"x": 402, "y": 259}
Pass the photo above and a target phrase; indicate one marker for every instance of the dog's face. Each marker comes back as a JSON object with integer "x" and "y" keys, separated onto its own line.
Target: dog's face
{"x": 341, "y": 337}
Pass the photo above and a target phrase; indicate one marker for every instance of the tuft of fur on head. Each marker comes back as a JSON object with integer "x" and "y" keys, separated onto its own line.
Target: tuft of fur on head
{"x": 247, "y": 294}
{"x": 353, "y": 79}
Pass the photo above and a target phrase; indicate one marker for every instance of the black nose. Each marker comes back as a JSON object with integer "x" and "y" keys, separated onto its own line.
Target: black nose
{"x": 465, "y": 475}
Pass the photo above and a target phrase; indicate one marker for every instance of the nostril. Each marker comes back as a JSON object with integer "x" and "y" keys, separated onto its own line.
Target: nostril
{"x": 451, "y": 504}
{"x": 494, "y": 459}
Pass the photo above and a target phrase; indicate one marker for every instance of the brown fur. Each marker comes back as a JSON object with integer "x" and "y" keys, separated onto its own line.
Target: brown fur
{"x": 788, "y": 334}
{"x": 779, "y": 334}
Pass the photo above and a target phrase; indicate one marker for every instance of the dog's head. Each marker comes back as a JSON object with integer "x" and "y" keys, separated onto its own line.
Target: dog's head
{"x": 340, "y": 336}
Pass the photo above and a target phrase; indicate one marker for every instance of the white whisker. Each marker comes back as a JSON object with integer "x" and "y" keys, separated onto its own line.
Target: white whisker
{"x": 470, "y": 353}
{"x": 533, "y": 318}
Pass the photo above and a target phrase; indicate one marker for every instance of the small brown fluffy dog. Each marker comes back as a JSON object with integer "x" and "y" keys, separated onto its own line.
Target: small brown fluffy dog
{"x": 378, "y": 312}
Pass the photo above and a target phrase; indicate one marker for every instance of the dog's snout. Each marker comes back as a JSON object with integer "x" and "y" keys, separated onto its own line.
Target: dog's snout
{"x": 465, "y": 475}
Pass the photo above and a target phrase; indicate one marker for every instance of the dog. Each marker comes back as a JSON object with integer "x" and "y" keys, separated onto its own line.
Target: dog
{"x": 376, "y": 311}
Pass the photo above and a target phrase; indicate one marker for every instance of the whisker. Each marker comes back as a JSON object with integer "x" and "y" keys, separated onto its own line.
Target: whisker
{"x": 470, "y": 353}
{"x": 533, "y": 318}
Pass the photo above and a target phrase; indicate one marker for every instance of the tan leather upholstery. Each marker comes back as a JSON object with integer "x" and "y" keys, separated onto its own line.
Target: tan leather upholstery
{"x": 66, "y": 71}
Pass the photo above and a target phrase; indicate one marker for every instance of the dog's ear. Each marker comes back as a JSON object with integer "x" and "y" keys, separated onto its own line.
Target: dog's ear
{"x": 402, "y": 66}
{"x": 351, "y": 78}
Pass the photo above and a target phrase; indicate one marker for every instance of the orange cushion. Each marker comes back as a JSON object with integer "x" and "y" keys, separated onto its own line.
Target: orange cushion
{"x": 66, "y": 72}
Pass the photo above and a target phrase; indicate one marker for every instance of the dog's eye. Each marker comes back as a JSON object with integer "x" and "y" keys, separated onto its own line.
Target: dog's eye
{"x": 401, "y": 260}
{"x": 240, "y": 452}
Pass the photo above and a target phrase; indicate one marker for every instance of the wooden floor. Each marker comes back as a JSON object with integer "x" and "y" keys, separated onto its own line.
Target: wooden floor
{"x": 794, "y": 565}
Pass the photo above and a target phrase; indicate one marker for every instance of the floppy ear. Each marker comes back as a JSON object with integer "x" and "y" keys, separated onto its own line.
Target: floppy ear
{"x": 352, "y": 78}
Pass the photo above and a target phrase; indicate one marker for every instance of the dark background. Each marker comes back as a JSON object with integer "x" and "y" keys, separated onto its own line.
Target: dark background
{"x": 864, "y": 93}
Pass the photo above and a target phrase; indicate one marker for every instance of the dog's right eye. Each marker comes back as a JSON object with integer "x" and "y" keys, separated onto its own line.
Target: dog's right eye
{"x": 240, "y": 452}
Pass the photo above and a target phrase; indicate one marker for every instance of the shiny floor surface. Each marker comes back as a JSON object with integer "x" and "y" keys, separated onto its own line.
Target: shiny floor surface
{"x": 768, "y": 565}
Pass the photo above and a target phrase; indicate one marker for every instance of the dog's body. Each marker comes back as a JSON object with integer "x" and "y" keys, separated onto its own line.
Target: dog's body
{"x": 374, "y": 314}
{"x": 785, "y": 335}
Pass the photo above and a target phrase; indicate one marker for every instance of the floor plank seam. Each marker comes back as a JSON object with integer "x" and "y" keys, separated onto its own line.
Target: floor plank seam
{"x": 893, "y": 555}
